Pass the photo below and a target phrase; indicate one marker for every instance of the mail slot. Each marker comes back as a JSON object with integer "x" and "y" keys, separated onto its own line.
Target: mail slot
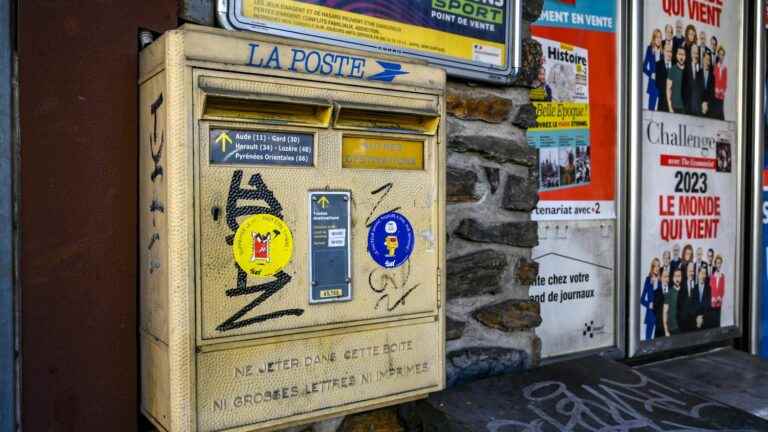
{"x": 292, "y": 231}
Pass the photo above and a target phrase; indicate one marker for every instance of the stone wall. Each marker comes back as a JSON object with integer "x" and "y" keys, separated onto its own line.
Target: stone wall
{"x": 491, "y": 192}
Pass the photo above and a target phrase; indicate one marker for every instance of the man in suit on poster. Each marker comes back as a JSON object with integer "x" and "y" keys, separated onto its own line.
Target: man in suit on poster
{"x": 662, "y": 69}
{"x": 658, "y": 300}
{"x": 688, "y": 302}
{"x": 669, "y": 36}
{"x": 666, "y": 262}
{"x": 699, "y": 258}
{"x": 708, "y": 89}
{"x": 692, "y": 84}
{"x": 703, "y": 48}
{"x": 679, "y": 38}
{"x": 705, "y": 295}
{"x": 675, "y": 257}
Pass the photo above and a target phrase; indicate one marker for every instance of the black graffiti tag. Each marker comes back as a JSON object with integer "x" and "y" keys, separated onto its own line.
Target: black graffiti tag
{"x": 257, "y": 192}
{"x": 610, "y": 406}
{"x": 394, "y": 281}
{"x": 384, "y": 191}
{"x": 156, "y": 151}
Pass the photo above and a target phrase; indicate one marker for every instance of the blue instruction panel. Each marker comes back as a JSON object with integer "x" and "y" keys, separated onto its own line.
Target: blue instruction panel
{"x": 329, "y": 254}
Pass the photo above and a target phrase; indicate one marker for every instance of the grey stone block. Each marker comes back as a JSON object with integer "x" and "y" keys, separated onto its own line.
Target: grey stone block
{"x": 519, "y": 234}
{"x": 525, "y": 117}
{"x": 475, "y": 274}
{"x": 492, "y": 174}
{"x": 495, "y": 148}
{"x": 454, "y": 329}
{"x": 474, "y": 363}
{"x": 510, "y": 315}
{"x": 532, "y": 9}
{"x": 460, "y": 185}
{"x": 520, "y": 194}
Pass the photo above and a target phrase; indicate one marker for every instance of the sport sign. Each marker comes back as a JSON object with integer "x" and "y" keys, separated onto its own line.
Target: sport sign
{"x": 476, "y": 39}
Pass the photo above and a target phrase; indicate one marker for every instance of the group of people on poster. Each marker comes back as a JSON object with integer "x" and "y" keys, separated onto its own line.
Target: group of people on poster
{"x": 686, "y": 72}
{"x": 683, "y": 292}
{"x": 564, "y": 166}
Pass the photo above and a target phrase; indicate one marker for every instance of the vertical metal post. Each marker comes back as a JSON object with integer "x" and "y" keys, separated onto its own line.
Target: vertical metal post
{"x": 7, "y": 315}
{"x": 622, "y": 187}
{"x": 758, "y": 267}
{"x": 635, "y": 30}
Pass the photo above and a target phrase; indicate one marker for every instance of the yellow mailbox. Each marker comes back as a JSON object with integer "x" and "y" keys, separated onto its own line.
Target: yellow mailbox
{"x": 292, "y": 231}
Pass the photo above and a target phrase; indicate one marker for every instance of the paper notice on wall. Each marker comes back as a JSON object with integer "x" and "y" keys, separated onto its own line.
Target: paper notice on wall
{"x": 575, "y": 286}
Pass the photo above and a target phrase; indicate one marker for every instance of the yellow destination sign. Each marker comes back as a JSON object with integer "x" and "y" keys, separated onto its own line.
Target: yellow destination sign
{"x": 382, "y": 153}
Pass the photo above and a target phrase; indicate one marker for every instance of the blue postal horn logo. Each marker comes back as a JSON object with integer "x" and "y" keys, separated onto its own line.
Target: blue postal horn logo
{"x": 391, "y": 240}
{"x": 390, "y": 72}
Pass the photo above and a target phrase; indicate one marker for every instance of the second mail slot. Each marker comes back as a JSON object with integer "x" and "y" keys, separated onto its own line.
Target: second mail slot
{"x": 382, "y": 153}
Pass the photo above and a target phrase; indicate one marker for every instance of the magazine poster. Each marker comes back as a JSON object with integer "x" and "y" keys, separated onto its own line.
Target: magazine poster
{"x": 575, "y": 101}
{"x": 689, "y": 170}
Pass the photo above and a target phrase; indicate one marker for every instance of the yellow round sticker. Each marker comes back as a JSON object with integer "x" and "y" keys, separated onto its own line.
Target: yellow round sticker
{"x": 263, "y": 245}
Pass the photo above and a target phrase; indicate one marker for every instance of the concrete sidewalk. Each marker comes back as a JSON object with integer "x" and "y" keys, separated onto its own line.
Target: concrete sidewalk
{"x": 594, "y": 394}
{"x": 732, "y": 377}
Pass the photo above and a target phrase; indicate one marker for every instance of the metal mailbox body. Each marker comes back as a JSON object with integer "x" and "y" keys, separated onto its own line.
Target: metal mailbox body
{"x": 292, "y": 226}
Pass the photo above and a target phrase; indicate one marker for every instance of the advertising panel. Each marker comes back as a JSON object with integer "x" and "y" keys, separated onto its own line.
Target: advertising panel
{"x": 689, "y": 171}
{"x": 575, "y": 101}
{"x": 471, "y": 38}
{"x": 762, "y": 313}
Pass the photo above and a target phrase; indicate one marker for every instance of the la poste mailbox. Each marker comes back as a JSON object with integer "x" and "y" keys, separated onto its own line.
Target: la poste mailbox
{"x": 292, "y": 231}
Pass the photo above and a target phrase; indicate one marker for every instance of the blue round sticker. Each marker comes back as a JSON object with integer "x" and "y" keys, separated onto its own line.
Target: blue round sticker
{"x": 390, "y": 240}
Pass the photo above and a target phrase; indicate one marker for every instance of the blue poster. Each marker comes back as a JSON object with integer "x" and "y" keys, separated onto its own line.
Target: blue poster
{"x": 390, "y": 240}
{"x": 763, "y": 265}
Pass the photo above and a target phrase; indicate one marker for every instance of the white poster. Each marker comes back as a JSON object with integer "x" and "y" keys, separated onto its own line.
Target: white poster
{"x": 575, "y": 286}
{"x": 689, "y": 172}
{"x": 689, "y": 224}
